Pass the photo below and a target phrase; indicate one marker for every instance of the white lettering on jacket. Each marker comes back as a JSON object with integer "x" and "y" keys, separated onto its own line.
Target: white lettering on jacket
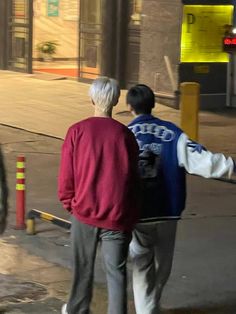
{"x": 161, "y": 132}
{"x": 152, "y": 147}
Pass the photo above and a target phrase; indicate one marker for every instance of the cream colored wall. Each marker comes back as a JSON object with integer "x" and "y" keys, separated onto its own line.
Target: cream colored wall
{"x": 63, "y": 29}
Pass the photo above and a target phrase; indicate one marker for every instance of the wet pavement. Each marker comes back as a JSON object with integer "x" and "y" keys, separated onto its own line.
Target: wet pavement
{"x": 27, "y": 282}
{"x": 203, "y": 279}
{"x": 30, "y": 284}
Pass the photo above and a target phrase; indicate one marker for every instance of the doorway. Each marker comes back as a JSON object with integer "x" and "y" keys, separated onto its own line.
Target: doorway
{"x": 55, "y": 37}
{"x": 19, "y": 41}
{"x": 89, "y": 38}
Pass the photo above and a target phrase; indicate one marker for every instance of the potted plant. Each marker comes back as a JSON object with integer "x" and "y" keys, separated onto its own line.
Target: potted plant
{"x": 47, "y": 49}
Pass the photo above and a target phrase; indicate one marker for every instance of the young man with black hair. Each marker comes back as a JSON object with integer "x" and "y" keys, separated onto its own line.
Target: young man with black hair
{"x": 166, "y": 153}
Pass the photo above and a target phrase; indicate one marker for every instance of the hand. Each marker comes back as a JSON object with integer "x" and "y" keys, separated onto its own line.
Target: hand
{"x": 69, "y": 209}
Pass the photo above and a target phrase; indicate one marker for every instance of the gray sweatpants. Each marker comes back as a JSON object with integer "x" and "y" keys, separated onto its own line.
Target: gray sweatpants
{"x": 151, "y": 249}
{"x": 114, "y": 245}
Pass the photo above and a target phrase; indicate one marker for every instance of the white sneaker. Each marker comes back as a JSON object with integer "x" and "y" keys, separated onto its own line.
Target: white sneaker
{"x": 63, "y": 309}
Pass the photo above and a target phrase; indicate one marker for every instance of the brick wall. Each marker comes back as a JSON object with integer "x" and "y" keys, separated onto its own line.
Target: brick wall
{"x": 160, "y": 36}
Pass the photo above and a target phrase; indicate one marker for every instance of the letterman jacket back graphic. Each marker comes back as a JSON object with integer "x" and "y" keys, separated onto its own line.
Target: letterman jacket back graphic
{"x": 166, "y": 153}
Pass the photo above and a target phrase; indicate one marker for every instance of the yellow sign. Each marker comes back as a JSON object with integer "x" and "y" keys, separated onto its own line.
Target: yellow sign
{"x": 203, "y": 29}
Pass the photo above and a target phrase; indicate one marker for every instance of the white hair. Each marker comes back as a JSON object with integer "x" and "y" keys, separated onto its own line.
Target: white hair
{"x": 104, "y": 93}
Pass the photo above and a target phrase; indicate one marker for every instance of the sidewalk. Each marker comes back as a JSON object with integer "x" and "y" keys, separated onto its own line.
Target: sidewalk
{"x": 32, "y": 285}
{"x": 40, "y": 104}
{"x": 203, "y": 280}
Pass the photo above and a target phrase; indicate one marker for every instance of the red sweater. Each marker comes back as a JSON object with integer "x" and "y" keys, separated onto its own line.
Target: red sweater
{"x": 98, "y": 175}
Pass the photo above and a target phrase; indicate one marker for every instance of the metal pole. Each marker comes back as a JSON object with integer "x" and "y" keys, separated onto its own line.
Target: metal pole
{"x": 228, "y": 82}
{"x": 122, "y": 7}
{"x": 231, "y": 69}
{"x": 170, "y": 73}
{"x": 30, "y": 38}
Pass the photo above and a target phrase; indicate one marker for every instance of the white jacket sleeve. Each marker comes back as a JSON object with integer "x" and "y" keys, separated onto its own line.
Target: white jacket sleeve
{"x": 197, "y": 160}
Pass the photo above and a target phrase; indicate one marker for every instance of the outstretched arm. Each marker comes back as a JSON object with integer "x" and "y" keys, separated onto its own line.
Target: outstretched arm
{"x": 198, "y": 160}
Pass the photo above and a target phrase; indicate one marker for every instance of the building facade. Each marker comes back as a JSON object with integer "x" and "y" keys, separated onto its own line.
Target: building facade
{"x": 157, "y": 42}
{"x": 105, "y": 40}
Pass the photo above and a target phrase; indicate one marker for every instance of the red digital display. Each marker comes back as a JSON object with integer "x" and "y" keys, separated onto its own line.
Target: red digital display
{"x": 229, "y": 44}
{"x": 229, "y": 41}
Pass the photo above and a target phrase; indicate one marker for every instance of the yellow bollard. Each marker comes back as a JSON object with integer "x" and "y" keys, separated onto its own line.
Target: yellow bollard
{"x": 30, "y": 226}
{"x": 189, "y": 108}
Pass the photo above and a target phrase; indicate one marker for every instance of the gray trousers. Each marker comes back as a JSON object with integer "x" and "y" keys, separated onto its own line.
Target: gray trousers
{"x": 114, "y": 246}
{"x": 151, "y": 249}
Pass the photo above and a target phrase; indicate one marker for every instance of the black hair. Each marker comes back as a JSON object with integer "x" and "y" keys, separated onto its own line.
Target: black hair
{"x": 141, "y": 98}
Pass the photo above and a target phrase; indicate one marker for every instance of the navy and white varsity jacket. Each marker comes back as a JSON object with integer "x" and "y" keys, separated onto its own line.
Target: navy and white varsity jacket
{"x": 164, "y": 192}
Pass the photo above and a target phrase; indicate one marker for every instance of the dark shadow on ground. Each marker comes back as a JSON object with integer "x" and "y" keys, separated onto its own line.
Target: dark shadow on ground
{"x": 221, "y": 309}
{"x": 228, "y": 112}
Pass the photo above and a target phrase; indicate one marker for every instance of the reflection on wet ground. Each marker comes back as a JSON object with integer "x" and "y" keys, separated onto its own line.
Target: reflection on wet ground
{"x": 29, "y": 284}
{"x": 16, "y": 291}
{"x": 219, "y": 310}
{"x": 27, "y": 279}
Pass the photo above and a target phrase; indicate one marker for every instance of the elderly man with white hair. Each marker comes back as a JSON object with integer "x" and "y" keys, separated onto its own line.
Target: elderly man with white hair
{"x": 98, "y": 185}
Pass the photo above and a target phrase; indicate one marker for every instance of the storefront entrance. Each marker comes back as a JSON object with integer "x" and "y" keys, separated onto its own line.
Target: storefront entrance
{"x": 55, "y": 37}
{"x": 16, "y": 37}
{"x": 92, "y": 37}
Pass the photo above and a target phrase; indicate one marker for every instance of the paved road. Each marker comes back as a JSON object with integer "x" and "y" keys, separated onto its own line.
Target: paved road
{"x": 203, "y": 278}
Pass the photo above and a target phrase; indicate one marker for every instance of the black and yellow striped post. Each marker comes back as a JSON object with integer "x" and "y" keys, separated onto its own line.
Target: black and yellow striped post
{"x": 189, "y": 108}
{"x": 34, "y": 213}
